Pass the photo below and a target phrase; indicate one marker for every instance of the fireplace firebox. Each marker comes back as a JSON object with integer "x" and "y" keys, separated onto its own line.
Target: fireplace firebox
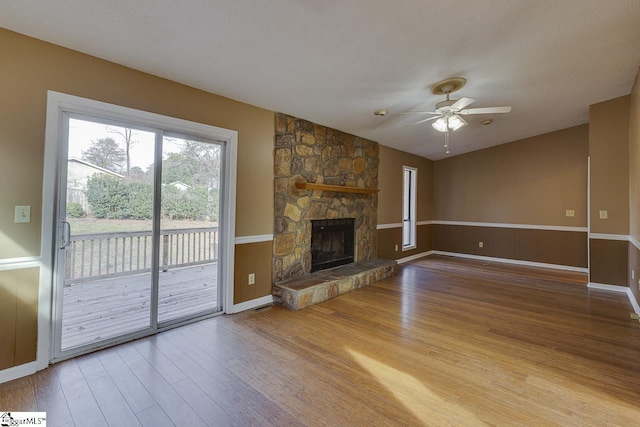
{"x": 332, "y": 243}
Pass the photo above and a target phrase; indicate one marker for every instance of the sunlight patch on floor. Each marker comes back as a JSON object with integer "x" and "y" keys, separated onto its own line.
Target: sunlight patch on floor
{"x": 426, "y": 405}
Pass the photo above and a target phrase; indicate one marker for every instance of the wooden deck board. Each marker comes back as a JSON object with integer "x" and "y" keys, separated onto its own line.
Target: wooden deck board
{"x": 106, "y": 308}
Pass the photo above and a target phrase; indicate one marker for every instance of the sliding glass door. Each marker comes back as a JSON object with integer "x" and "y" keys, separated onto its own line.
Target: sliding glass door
{"x": 189, "y": 238}
{"x": 137, "y": 231}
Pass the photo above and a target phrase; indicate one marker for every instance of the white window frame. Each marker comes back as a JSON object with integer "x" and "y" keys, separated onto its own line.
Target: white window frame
{"x": 409, "y": 200}
{"x": 60, "y": 103}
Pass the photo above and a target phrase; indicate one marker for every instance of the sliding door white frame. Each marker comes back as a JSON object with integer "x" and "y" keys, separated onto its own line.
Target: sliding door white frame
{"x": 57, "y": 105}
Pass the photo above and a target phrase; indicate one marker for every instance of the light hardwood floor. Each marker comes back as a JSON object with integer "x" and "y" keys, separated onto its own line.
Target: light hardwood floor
{"x": 446, "y": 342}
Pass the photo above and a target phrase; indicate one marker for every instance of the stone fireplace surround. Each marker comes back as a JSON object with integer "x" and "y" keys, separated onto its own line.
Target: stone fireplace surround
{"x": 307, "y": 152}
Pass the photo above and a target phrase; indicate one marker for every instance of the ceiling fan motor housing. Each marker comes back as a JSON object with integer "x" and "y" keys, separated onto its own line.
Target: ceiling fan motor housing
{"x": 443, "y": 106}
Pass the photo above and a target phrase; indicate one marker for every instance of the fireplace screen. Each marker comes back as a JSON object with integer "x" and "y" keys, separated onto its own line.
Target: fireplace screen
{"x": 332, "y": 243}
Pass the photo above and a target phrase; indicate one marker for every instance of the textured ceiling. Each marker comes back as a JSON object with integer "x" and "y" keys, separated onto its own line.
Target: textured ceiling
{"x": 335, "y": 62}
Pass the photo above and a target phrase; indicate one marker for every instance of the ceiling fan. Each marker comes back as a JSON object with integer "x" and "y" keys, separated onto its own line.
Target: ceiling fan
{"x": 448, "y": 113}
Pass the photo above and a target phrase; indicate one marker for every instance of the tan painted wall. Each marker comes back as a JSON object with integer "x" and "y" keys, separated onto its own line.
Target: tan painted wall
{"x": 634, "y": 159}
{"x": 609, "y": 153}
{"x": 390, "y": 184}
{"x": 31, "y": 67}
{"x": 634, "y": 184}
{"x": 531, "y": 181}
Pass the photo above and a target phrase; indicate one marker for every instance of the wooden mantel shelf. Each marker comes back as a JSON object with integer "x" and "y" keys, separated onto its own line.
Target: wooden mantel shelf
{"x": 336, "y": 188}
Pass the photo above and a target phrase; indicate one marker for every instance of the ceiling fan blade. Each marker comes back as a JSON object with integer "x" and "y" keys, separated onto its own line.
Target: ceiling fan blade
{"x": 461, "y": 103}
{"x": 420, "y": 112}
{"x": 426, "y": 120}
{"x": 485, "y": 110}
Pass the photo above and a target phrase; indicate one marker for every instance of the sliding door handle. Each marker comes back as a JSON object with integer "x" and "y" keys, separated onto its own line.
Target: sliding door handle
{"x": 66, "y": 234}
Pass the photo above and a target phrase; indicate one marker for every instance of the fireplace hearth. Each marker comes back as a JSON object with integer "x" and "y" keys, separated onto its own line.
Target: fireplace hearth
{"x": 332, "y": 243}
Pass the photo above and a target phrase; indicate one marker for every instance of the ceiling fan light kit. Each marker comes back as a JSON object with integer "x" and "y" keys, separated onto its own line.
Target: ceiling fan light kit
{"x": 448, "y": 113}
{"x": 444, "y": 124}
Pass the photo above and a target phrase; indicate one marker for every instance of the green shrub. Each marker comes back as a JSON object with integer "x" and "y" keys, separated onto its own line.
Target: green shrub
{"x": 74, "y": 210}
{"x": 113, "y": 198}
{"x": 107, "y": 196}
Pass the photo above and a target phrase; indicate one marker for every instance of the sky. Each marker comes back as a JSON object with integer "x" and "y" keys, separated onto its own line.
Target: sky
{"x": 82, "y": 133}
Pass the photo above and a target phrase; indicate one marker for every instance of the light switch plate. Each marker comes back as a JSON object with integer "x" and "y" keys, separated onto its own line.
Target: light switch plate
{"x": 604, "y": 215}
{"x": 23, "y": 214}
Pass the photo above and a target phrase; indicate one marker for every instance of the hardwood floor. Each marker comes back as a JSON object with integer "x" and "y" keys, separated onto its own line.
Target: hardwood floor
{"x": 446, "y": 342}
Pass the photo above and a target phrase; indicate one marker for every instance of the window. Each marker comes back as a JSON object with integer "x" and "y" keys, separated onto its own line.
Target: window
{"x": 409, "y": 208}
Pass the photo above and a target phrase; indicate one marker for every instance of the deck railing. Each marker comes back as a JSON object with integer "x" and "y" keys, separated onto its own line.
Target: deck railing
{"x": 102, "y": 255}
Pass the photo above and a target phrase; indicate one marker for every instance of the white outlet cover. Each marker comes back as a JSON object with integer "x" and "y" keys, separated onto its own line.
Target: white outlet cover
{"x": 570, "y": 212}
{"x": 604, "y": 215}
{"x": 22, "y": 214}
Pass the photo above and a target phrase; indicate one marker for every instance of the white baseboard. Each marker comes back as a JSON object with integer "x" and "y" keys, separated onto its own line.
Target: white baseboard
{"x": 253, "y": 239}
{"x": 618, "y": 288}
{"x": 17, "y": 372}
{"x": 248, "y": 305}
{"x": 612, "y": 288}
{"x": 514, "y": 261}
{"x": 412, "y": 257}
{"x": 521, "y": 226}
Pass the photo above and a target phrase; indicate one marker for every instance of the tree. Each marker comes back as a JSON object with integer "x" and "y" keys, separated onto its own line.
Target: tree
{"x": 177, "y": 167}
{"x": 197, "y": 164}
{"x": 126, "y": 135}
{"x": 106, "y": 153}
{"x": 206, "y": 160}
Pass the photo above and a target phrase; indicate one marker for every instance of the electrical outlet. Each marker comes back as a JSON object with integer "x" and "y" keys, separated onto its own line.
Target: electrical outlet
{"x": 570, "y": 212}
{"x": 604, "y": 214}
{"x": 481, "y": 244}
{"x": 252, "y": 278}
{"x": 22, "y": 214}
{"x": 396, "y": 248}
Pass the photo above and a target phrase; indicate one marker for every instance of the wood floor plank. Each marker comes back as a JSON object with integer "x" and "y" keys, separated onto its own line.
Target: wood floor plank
{"x": 112, "y": 403}
{"x": 445, "y": 342}
{"x": 82, "y": 405}
{"x": 51, "y": 399}
{"x": 154, "y": 417}
{"x": 169, "y": 400}
{"x": 165, "y": 367}
{"x": 18, "y": 393}
{"x": 260, "y": 412}
{"x": 137, "y": 397}
{"x": 202, "y": 404}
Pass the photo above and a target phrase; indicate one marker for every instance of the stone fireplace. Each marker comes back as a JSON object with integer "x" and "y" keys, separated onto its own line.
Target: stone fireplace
{"x": 309, "y": 153}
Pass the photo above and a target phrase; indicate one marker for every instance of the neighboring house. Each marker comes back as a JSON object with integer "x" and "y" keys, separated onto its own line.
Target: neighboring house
{"x": 78, "y": 174}
{"x": 180, "y": 185}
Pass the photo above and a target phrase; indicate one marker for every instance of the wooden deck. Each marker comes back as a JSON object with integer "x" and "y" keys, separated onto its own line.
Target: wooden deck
{"x": 94, "y": 311}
